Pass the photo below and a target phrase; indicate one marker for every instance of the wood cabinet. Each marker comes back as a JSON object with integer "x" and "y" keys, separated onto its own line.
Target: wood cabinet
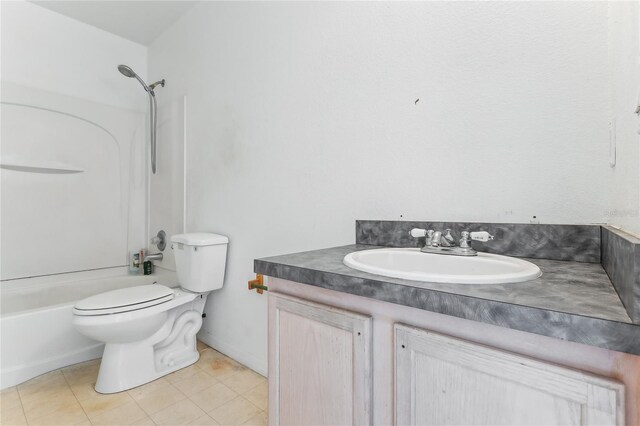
{"x": 338, "y": 359}
{"x": 446, "y": 381}
{"x": 319, "y": 364}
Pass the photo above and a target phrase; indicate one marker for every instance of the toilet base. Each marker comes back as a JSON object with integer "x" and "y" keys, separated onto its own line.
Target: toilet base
{"x": 116, "y": 376}
{"x": 128, "y": 365}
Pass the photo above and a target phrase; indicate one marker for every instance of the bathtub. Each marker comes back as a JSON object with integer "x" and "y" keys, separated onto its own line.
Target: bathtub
{"x": 36, "y": 335}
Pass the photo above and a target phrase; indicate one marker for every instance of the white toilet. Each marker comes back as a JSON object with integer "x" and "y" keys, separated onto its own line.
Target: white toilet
{"x": 150, "y": 331}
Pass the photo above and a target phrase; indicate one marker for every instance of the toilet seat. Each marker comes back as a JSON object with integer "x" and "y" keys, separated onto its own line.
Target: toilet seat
{"x": 124, "y": 300}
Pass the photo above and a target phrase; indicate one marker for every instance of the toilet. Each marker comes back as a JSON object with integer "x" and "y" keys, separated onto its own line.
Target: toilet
{"x": 150, "y": 331}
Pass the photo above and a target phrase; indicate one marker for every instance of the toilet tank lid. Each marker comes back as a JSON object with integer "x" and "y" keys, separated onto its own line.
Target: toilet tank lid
{"x": 199, "y": 239}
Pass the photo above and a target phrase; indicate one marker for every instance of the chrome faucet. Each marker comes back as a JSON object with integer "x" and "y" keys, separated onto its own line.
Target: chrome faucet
{"x": 156, "y": 256}
{"x": 440, "y": 240}
{"x": 438, "y": 243}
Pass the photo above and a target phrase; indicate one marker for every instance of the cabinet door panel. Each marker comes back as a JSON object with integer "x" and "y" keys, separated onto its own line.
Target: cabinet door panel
{"x": 441, "y": 380}
{"x": 319, "y": 364}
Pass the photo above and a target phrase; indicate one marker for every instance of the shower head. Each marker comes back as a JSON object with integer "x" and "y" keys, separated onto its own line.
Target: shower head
{"x": 153, "y": 112}
{"x": 128, "y": 72}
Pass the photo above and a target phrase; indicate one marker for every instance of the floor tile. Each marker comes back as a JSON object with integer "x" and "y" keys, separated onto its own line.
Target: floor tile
{"x": 192, "y": 395}
{"x": 204, "y": 421}
{"x": 98, "y": 403}
{"x": 218, "y": 365}
{"x": 140, "y": 391}
{"x": 144, "y": 422}
{"x": 195, "y": 383}
{"x": 157, "y": 397}
{"x": 201, "y": 346}
{"x": 126, "y": 414}
{"x": 68, "y": 414}
{"x": 85, "y": 372}
{"x": 259, "y": 395}
{"x": 243, "y": 381}
{"x": 84, "y": 391}
{"x": 260, "y": 419}
{"x": 9, "y": 398}
{"x": 180, "y": 413}
{"x": 12, "y": 416}
{"x": 234, "y": 412}
{"x": 47, "y": 402}
{"x": 45, "y": 382}
{"x": 213, "y": 397}
{"x": 181, "y": 374}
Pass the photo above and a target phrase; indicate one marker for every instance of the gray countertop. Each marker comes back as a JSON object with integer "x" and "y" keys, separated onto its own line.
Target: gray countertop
{"x": 571, "y": 300}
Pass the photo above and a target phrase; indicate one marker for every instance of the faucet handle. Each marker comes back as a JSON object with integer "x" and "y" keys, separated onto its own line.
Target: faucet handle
{"x": 483, "y": 236}
{"x": 160, "y": 240}
{"x": 418, "y": 233}
{"x": 447, "y": 236}
{"x": 464, "y": 239}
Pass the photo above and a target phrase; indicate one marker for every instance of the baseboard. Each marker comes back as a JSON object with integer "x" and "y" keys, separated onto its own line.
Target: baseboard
{"x": 256, "y": 364}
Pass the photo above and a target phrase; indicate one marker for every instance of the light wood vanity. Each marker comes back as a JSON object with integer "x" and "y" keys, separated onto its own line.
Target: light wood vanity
{"x": 338, "y": 359}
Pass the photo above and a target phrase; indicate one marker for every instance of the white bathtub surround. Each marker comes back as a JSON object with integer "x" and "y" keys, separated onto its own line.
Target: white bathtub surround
{"x": 150, "y": 331}
{"x": 73, "y": 183}
{"x": 36, "y": 329}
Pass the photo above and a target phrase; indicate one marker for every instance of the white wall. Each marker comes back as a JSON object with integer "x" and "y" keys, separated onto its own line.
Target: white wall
{"x": 303, "y": 117}
{"x": 624, "y": 78}
{"x": 61, "y": 63}
{"x": 45, "y": 50}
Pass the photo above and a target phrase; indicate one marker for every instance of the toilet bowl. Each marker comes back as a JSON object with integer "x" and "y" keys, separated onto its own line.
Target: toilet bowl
{"x": 150, "y": 331}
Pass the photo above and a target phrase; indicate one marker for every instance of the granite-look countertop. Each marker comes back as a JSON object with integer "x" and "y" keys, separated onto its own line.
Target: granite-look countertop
{"x": 571, "y": 300}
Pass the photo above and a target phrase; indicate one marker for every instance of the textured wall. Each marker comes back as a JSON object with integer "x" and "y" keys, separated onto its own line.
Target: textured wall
{"x": 303, "y": 117}
{"x": 624, "y": 80}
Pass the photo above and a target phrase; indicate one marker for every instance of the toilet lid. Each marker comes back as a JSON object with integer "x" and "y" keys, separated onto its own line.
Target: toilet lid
{"x": 124, "y": 300}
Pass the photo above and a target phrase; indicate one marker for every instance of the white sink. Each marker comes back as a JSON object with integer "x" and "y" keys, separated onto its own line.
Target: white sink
{"x": 412, "y": 264}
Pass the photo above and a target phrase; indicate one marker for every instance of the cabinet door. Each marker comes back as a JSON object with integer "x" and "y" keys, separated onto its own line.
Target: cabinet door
{"x": 441, "y": 380}
{"x": 319, "y": 364}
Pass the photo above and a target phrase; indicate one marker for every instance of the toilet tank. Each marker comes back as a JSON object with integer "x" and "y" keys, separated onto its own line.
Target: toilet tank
{"x": 200, "y": 260}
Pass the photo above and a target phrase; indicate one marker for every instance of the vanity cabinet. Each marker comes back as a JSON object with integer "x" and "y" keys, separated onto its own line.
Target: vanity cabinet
{"x": 340, "y": 359}
{"x": 441, "y": 380}
{"x": 319, "y": 364}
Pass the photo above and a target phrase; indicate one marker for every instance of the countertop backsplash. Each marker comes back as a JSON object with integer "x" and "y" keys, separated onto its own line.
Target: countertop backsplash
{"x": 578, "y": 243}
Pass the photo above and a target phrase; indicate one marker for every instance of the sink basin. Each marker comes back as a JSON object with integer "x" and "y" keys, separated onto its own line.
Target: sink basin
{"x": 412, "y": 264}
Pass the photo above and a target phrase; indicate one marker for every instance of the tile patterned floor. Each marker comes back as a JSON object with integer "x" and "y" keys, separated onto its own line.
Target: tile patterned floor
{"x": 214, "y": 391}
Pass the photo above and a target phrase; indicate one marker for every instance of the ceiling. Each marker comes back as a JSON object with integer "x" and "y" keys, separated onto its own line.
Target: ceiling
{"x": 139, "y": 21}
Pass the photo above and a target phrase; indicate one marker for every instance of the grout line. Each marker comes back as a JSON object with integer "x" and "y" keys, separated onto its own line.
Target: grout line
{"x": 185, "y": 396}
{"x": 74, "y": 395}
{"x": 24, "y": 413}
